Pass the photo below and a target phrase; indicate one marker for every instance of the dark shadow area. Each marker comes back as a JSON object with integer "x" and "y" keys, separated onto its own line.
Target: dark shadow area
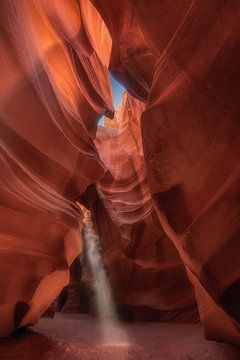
{"x": 231, "y": 353}
{"x": 124, "y": 313}
{"x": 28, "y": 345}
{"x": 73, "y": 297}
{"x": 172, "y": 203}
{"x": 21, "y": 309}
{"x": 230, "y": 300}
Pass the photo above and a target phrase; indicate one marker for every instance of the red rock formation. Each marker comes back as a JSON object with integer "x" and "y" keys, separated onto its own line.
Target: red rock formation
{"x": 187, "y": 60}
{"x": 145, "y": 271}
{"x": 172, "y": 207}
{"x": 53, "y": 86}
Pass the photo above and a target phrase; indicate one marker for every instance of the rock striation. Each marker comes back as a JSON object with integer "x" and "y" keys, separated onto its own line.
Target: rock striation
{"x": 161, "y": 178}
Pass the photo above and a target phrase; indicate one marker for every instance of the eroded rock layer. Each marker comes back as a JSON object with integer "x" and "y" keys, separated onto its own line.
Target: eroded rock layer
{"x": 186, "y": 61}
{"x": 165, "y": 170}
{"x": 54, "y": 85}
{"x": 146, "y": 274}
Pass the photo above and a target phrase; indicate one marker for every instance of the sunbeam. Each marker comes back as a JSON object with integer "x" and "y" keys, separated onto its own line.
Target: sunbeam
{"x": 113, "y": 333}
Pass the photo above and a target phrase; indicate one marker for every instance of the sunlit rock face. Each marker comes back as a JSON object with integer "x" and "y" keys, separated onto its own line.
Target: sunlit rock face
{"x": 54, "y": 85}
{"x": 147, "y": 277}
{"x": 184, "y": 62}
{"x": 165, "y": 170}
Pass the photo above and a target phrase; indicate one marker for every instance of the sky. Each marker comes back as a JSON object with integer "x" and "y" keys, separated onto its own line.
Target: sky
{"x": 117, "y": 90}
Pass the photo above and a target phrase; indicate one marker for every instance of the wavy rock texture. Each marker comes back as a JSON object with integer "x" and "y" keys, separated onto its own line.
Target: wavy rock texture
{"x": 164, "y": 208}
{"x": 146, "y": 274}
{"x": 54, "y": 84}
{"x": 184, "y": 62}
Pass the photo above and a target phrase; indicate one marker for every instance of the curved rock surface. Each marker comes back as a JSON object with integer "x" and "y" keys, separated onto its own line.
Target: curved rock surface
{"x": 185, "y": 66}
{"x": 145, "y": 270}
{"x": 165, "y": 170}
{"x": 54, "y": 85}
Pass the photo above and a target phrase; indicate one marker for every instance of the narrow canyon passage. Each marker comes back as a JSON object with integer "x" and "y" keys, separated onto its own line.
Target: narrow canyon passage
{"x": 120, "y": 179}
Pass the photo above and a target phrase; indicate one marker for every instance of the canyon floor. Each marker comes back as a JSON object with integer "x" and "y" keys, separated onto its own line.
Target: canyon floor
{"x": 79, "y": 337}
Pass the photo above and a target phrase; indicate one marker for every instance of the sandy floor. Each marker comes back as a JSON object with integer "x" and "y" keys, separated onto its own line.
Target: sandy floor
{"x": 78, "y": 337}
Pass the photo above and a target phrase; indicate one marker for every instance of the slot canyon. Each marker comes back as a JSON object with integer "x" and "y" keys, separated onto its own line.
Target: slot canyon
{"x": 120, "y": 179}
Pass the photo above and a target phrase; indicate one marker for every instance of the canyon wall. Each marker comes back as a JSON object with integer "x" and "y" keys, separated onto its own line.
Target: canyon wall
{"x": 54, "y": 85}
{"x": 183, "y": 61}
{"x": 147, "y": 277}
{"x": 165, "y": 169}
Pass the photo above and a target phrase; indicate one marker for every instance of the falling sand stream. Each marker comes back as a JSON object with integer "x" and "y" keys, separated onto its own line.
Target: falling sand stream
{"x": 112, "y": 332}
